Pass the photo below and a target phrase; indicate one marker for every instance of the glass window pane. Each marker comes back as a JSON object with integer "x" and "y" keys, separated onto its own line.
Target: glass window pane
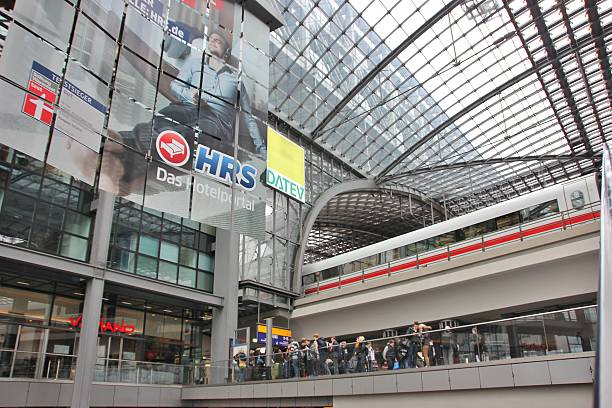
{"x": 167, "y": 272}
{"x": 188, "y": 257}
{"x": 169, "y": 251}
{"x": 148, "y": 245}
{"x": 65, "y": 308}
{"x": 206, "y": 262}
{"x": 205, "y": 281}
{"x": 122, "y": 260}
{"x": 77, "y": 224}
{"x": 187, "y": 277}
{"x": 74, "y": 247}
{"x": 147, "y": 267}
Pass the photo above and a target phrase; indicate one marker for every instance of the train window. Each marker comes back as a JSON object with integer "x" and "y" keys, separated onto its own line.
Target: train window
{"x": 541, "y": 210}
{"x": 409, "y": 250}
{"x": 308, "y": 279}
{"x": 368, "y": 261}
{"x": 444, "y": 239}
{"x": 422, "y": 246}
{"x": 329, "y": 273}
{"x": 577, "y": 199}
{"x": 459, "y": 235}
{"x": 477, "y": 230}
{"x": 508, "y": 220}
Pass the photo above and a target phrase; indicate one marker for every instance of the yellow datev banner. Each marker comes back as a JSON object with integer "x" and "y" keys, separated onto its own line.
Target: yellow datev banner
{"x": 285, "y": 165}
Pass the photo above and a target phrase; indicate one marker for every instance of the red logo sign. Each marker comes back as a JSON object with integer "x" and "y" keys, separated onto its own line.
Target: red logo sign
{"x": 105, "y": 326}
{"x": 190, "y": 3}
{"x": 39, "y": 108}
{"x": 172, "y": 148}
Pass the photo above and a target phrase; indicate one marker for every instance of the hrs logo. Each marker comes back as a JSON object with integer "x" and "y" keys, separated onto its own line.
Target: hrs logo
{"x": 173, "y": 149}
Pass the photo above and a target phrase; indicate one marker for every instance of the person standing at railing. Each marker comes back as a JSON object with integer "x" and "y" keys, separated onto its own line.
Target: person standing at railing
{"x": 372, "y": 364}
{"x": 402, "y": 352}
{"x": 360, "y": 354}
{"x": 343, "y": 358}
{"x": 322, "y": 353}
{"x": 389, "y": 354}
{"x": 311, "y": 357}
{"x": 334, "y": 355}
{"x": 422, "y": 329}
{"x": 241, "y": 361}
{"x": 295, "y": 355}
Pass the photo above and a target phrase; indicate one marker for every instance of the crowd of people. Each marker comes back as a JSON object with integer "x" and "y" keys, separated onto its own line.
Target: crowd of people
{"x": 327, "y": 356}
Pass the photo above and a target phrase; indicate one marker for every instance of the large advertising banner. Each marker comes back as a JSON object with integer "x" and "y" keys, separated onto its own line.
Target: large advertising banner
{"x": 172, "y": 117}
{"x": 285, "y": 166}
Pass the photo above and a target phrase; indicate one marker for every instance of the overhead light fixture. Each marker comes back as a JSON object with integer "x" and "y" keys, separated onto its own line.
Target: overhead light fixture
{"x": 23, "y": 283}
{"x": 78, "y": 293}
{"x": 148, "y": 307}
{"x": 167, "y": 311}
{"x": 125, "y": 303}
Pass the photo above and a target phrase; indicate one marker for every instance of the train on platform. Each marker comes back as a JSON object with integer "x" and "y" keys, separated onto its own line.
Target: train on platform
{"x": 547, "y": 210}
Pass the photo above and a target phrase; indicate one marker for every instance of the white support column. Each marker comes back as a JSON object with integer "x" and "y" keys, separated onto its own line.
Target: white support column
{"x": 86, "y": 355}
{"x": 92, "y": 306}
{"x": 225, "y": 320}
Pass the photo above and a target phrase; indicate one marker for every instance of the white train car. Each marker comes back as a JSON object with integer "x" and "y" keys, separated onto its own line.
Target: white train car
{"x": 551, "y": 209}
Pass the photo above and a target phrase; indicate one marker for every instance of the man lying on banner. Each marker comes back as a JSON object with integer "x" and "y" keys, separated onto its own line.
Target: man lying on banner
{"x": 214, "y": 114}
{"x": 220, "y": 84}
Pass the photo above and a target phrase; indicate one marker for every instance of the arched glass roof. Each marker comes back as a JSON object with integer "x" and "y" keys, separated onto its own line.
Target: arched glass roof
{"x": 467, "y": 101}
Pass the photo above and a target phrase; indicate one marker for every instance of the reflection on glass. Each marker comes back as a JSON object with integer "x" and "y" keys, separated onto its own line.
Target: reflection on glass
{"x": 20, "y": 53}
{"x": 168, "y": 189}
{"x": 123, "y": 172}
{"x": 24, "y": 127}
{"x": 50, "y": 19}
{"x": 108, "y": 13}
{"x": 73, "y": 157}
{"x": 136, "y": 78}
{"x": 93, "y": 48}
{"x": 141, "y": 36}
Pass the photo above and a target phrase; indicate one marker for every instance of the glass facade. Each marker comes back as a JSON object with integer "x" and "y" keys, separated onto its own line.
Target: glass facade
{"x": 162, "y": 246}
{"x": 271, "y": 261}
{"x": 43, "y": 208}
{"x": 39, "y": 334}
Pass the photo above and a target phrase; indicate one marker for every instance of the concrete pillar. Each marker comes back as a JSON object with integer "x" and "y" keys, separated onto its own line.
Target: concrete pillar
{"x": 86, "y": 354}
{"x": 104, "y": 206}
{"x": 269, "y": 341}
{"x": 225, "y": 320}
{"x": 92, "y": 306}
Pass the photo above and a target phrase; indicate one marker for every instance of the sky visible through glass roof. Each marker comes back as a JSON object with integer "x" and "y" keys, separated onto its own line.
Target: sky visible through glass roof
{"x": 467, "y": 101}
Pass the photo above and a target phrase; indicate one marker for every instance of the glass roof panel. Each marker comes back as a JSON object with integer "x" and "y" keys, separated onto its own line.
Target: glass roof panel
{"x": 396, "y": 87}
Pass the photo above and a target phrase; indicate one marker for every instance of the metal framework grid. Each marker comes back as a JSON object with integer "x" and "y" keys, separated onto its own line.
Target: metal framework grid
{"x": 469, "y": 102}
{"x": 356, "y": 219}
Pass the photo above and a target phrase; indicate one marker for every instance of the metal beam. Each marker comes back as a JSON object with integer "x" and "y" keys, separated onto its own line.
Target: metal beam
{"x": 583, "y": 75}
{"x": 540, "y": 79}
{"x": 597, "y": 35}
{"x": 549, "y": 46}
{"x": 311, "y": 217}
{"x": 485, "y": 162}
{"x": 565, "y": 51}
{"x": 383, "y": 64}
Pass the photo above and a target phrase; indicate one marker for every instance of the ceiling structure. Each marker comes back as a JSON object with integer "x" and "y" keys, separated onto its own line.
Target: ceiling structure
{"x": 359, "y": 218}
{"x": 468, "y": 102}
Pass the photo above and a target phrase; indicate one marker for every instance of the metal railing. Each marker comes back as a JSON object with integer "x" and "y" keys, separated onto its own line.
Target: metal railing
{"x": 560, "y": 332}
{"x": 140, "y": 372}
{"x": 481, "y": 243}
{"x": 37, "y": 365}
